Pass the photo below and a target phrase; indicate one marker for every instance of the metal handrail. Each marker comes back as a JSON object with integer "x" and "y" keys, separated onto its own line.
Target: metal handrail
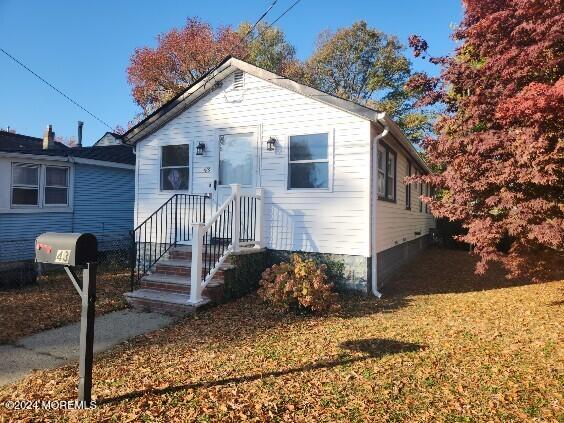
{"x": 163, "y": 229}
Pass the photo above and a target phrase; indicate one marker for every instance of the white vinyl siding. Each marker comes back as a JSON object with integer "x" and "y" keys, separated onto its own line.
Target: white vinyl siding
{"x": 395, "y": 223}
{"x": 321, "y": 220}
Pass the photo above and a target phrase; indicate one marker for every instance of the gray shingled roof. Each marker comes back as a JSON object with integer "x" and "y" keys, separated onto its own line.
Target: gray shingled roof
{"x": 23, "y": 144}
{"x": 9, "y": 140}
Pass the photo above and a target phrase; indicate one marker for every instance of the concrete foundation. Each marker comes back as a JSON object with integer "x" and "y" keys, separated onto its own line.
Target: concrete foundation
{"x": 393, "y": 259}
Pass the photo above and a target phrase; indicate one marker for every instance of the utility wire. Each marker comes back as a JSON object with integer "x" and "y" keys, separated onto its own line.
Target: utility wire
{"x": 216, "y": 66}
{"x": 255, "y": 24}
{"x": 275, "y": 20}
{"x": 53, "y": 87}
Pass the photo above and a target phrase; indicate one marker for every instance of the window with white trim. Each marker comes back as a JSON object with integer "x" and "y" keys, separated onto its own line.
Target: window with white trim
{"x": 387, "y": 161}
{"x": 25, "y": 184}
{"x": 427, "y": 193}
{"x": 56, "y": 189}
{"x": 408, "y": 189}
{"x": 175, "y": 167}
{"x": 308, "y": 164}
{"x": 420, "y": 195}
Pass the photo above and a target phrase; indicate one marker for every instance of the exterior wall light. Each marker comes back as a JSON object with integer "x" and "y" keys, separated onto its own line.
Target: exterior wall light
{"x": 200, "y": 148}
{"x": 271, "y": 144}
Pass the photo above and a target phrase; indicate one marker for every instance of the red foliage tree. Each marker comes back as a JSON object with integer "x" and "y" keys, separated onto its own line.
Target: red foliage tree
{"x": 499, "y": 147}
{"x": 180, "y": 58}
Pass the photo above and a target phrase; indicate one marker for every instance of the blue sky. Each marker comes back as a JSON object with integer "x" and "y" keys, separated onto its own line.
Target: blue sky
{"x": 83, "y": 47}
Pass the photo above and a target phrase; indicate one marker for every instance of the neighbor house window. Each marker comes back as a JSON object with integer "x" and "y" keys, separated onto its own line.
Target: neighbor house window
{"x": 387, "y": 160}
{"x": 308, "y": 166}
{"x": 56, "y": 186}
{"x": 175, "y": 167}
{"x": 25, "y": 184}
{"x": 408, "y": 189}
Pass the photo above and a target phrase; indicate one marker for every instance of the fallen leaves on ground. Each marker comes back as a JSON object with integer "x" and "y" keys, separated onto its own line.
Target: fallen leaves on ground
{"x": 443, "y": 345}
{"x": 53, "y": 302}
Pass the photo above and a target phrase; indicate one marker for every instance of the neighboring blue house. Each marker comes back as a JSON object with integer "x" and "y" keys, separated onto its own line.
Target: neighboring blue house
{"x": 47, "y": 186}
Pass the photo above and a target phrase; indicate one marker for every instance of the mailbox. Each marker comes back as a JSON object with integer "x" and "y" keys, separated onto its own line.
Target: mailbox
{"x": 67, "y": 249}
{"x": 71, "y": 250}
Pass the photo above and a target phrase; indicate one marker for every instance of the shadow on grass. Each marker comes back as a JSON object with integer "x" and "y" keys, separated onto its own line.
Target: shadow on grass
{"x": 372, "y": 348}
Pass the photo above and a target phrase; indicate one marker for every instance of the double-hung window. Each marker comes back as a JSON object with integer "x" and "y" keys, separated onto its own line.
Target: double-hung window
{"x": 40, "y": 185}
{"x": 25, "y": 184}
{"x": 387, "y": 160}
{"x": 308, "y": 165}
{"x": 420, "y": 195}
{"x": 175, "y": 167}
{"x": 56, "y": 189}
{"x": 408, "y": 189}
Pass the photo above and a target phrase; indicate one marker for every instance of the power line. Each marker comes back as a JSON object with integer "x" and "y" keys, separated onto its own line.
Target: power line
{"x": 256, "y": 23}
{"x": 261, "y": 33}
{"x": 53, "y": 87}
{"x": 277, "y": 19}
{"x": 216, "y": 66}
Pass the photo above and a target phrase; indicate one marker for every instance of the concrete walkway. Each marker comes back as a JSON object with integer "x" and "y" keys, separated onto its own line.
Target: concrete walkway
{"x": 56, "y": 347}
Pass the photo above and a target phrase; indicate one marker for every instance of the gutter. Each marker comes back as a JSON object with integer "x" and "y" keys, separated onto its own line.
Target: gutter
{"x": 66, "y": 159}
{"x": 382, "y": 120}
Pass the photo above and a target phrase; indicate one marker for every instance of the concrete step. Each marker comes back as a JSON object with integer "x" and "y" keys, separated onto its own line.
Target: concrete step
{"x": 172, "y": 303}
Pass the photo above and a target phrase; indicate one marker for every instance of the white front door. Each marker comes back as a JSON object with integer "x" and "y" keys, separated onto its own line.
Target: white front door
{"x": 238, "y": 163}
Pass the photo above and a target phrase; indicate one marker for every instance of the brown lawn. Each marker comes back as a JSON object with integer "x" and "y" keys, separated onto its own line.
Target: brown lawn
{"x": 443, "y": 345}
{"x": 54, "y": 302}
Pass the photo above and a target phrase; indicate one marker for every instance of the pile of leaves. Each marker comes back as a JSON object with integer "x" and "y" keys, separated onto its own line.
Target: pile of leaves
{"x": 443, "y": 345}
{"x": 298, "y": 285}
{"x": 53, "y": 302}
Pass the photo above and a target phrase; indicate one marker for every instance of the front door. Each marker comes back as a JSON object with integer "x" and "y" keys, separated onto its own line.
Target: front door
{"x": 238, "y": 163}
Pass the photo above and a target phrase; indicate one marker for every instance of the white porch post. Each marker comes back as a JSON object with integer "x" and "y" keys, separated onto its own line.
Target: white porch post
{"x": 259, "y": 229}
{"x": 196, "y": 271}
{"x": 236, "y": 229}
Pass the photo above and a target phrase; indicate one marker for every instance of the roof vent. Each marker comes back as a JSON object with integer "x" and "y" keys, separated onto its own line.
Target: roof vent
{"x": 238, "y": 80}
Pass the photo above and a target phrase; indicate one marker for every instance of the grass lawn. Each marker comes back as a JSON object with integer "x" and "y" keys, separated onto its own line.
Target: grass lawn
{"x": 54, "y": 302}
{"x": 443, "y": 345}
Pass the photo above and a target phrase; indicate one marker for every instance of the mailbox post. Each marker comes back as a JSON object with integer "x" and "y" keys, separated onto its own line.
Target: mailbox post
{"x": 69, "y": 250}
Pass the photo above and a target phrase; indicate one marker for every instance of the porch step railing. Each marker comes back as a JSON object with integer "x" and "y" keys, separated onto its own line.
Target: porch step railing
{"x": 238, "y": 222}
{"x": 165, "y": 227}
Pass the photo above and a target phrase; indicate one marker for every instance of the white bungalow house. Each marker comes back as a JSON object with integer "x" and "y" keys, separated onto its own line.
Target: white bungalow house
{"x": 301, "y": 169}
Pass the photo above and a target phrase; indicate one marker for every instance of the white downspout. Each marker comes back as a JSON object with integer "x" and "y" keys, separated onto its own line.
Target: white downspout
{"x": 377, "y": 138}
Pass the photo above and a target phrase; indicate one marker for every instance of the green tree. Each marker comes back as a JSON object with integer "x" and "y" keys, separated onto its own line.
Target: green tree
{"x": 367, "y": 66}
{"x": 267, "y": 47}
